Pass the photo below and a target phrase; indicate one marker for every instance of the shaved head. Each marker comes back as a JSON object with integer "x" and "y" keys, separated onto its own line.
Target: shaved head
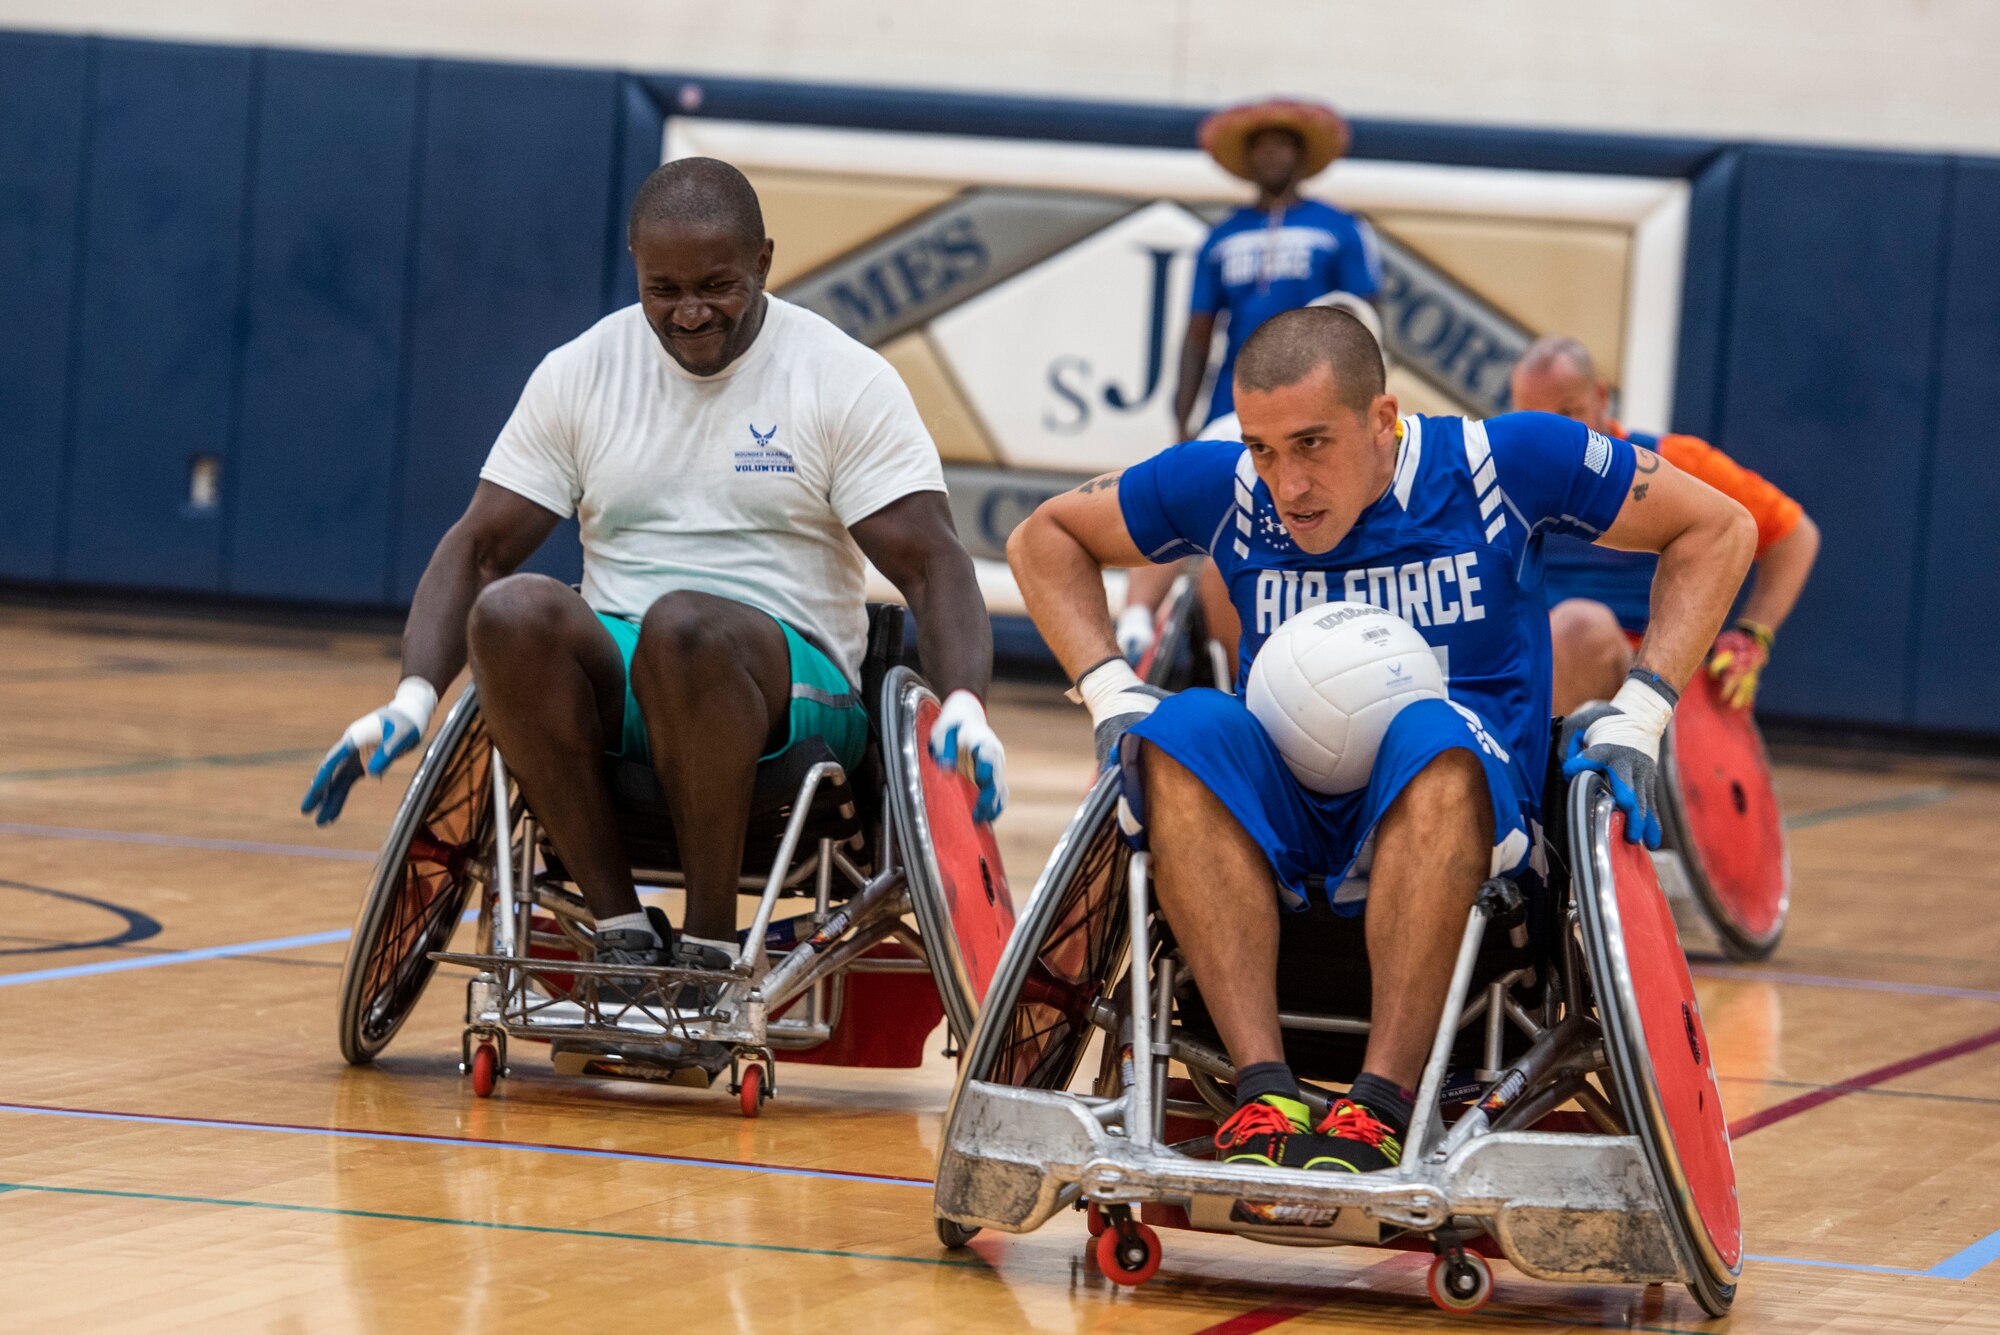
{"x": 701, "y": 193}
{"x": 1292, "y": 345}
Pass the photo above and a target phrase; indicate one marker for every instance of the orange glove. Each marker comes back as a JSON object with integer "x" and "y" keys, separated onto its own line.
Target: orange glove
{"x": 1738, "y": 660}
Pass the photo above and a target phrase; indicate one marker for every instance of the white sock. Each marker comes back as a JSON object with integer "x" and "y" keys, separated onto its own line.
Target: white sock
{"x": 726, "y": 947}
{"x": 630, "y": 922}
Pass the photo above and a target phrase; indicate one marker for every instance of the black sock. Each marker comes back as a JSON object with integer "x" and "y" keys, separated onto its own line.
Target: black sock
{"x": 1389, "y": 1101}
{"x": 1256, "y": 1080}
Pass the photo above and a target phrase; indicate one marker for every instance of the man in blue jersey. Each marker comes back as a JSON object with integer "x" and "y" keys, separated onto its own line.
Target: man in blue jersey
{"x": 1333, "y": 496}
{"x": 1277, "y": 254}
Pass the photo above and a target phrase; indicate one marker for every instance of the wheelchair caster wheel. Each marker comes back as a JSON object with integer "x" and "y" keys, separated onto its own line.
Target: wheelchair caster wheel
{"x": 1094, "y": 1220}
{"x": 750, "y": 1093}
{"x": 485, "y": 1070}
{"x": 1460, "y": 1281}
{"x": 1129, "y": 1253}
{"x": 954, "y": 1234}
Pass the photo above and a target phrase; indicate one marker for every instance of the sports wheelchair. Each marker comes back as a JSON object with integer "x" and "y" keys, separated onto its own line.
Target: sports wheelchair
{"x": 1722, "y": 860}
{"x": 1567, "y": 1118}
{"x": 849, "y": 981}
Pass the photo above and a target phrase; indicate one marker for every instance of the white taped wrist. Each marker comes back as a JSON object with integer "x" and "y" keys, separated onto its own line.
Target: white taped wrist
{"x": 1101, "y": 683}
{"x": 416, "y": 699}
{"x": 1641, "y": 716}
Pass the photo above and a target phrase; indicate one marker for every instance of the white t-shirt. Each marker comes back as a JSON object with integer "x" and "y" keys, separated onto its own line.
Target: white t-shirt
{"x": 741, "y": 484}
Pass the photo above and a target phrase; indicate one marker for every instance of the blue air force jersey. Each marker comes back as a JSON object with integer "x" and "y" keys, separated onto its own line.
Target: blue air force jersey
{"x": 1453, "y": 546}
{"x": 1256, "y": 264}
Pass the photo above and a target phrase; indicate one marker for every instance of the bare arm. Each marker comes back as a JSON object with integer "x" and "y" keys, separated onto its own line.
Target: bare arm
{"x": 1059, "y": 554}
{"x": 1782, "y": 572}
{"x": 1705, "y": 542}
{"x": 914, "y": 543}
{"x": 1194, "y": 364}
{"x": 499, "y": 530}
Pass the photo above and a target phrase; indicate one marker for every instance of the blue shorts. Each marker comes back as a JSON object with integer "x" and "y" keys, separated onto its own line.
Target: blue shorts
{"x": 1303, "y": 833}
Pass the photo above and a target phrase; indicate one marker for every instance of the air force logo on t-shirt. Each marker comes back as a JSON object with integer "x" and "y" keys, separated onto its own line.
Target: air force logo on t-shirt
{"x": 764, "y": 456}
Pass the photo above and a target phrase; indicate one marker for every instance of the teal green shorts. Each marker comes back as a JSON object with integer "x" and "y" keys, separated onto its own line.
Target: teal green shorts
{"x": 824, "y": 703}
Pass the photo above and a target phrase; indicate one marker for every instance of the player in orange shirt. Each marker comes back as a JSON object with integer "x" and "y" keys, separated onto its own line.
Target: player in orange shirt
{"x": 1599, "y": 598}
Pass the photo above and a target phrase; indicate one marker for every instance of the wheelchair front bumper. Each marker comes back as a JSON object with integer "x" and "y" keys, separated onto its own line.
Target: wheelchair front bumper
{"x": 1578, "y": 1208}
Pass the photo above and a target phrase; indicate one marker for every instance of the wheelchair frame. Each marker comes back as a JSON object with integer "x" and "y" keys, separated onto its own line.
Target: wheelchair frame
{"x": 1609, "y": 1206}
{"x": 520, "y": 990}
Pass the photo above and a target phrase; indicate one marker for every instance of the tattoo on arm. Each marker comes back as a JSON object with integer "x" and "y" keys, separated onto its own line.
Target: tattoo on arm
{"x": 1643, "y": 461}
{"x": 1104, "y": 482}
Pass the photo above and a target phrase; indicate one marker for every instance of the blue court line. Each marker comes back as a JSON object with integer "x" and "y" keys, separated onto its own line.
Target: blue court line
{"x": 175, "y": 957}
{"x": 1839, "y": 1265}
{"x": 546, "y": 1229}
{"x": 1960, "y": 1265}
{"x": 187, "y": 841}
{"x": 1969, "y": 1262}
{"x": 465, "y": 1142}
{"x": 1921, "y": 797}
{"x": 1743, "y": 973}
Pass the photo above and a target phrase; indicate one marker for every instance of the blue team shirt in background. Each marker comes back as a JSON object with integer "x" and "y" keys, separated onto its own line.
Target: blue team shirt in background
{"x": 1453, "y": 546}
{"x": 1622, "y": 581}
{"x": 1256, "y": 264}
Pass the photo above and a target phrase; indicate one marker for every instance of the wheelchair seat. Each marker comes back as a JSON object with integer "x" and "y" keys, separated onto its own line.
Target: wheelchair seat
{"x": 648, "y": 831}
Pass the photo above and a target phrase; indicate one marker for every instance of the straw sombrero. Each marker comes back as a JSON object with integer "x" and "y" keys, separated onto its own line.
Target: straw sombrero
{"x": 1225, "y": 135}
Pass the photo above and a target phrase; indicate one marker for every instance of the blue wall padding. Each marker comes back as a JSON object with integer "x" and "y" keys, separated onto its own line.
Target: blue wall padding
{"x": 1957, "y": 671}
{"x": 1705, "y": 289}
{"x": 159, "y": 333}
{"x": 512, "y": 220}
{"x": 329, "y": 256}
{"x": 44, "y": 84}
{"x": 1830, "y": 361}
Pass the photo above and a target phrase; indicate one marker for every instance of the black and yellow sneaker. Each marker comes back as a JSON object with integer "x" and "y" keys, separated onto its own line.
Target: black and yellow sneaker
{"x": 1275, "y": 1132}
{"x": 1272, "y": 1130}
{"x": 1351, "y": 1139}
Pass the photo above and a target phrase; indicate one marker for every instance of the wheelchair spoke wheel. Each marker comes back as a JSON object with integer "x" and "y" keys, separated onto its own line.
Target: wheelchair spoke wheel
{"x": 1722, "y": 814}
{"x": 958, "y": 886}
{"x": 443, "y": 832}
{"x": 1064, "y": 956}
{"x": 1661, "y": 1065}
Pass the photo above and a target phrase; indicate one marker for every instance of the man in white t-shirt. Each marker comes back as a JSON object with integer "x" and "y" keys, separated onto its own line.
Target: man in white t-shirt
{"x": 731, "y": 458}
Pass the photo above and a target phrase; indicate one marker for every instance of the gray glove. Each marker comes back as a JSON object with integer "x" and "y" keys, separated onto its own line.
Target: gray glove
{"x": 1114, "y": 726}
{"x": 1117, "y": 699}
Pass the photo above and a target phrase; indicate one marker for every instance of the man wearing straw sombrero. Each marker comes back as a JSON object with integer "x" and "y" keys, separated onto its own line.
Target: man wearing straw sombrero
{"x": 1275, "y": 255}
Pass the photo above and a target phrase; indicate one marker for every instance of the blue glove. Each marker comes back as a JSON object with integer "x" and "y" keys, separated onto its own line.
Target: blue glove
{"x": 963, "y": 740}
{"x": 370, "y": 744}
{"x": 1621, "y": 741}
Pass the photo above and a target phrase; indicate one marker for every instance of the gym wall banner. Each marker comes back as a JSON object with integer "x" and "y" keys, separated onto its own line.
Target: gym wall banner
{"x": 1034, "y": 294}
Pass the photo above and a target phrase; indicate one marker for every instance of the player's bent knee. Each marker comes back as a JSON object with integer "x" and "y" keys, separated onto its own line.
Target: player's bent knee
{"x": 1588, "y": 631}
{"x": 518, "y": 610}
{"x": 691, "y": 630}
{"x": 1453, "y": 781}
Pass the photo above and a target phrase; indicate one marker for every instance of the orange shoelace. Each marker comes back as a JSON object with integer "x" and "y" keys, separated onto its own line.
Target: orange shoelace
{"x": 1253, "y": 1119}
{"x": 1348, "y": 1120}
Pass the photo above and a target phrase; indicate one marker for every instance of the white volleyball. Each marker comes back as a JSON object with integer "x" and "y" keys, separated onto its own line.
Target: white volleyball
{"x": 1328, "y": 681}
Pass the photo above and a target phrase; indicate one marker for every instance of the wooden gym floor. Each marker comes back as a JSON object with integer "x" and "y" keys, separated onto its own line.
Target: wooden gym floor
{"x": 181, "y": 1146}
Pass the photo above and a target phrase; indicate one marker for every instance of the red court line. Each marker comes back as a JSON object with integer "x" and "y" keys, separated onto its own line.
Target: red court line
{"x": 1806, "y": 1102}
{"x": 1259, "y": 1318}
